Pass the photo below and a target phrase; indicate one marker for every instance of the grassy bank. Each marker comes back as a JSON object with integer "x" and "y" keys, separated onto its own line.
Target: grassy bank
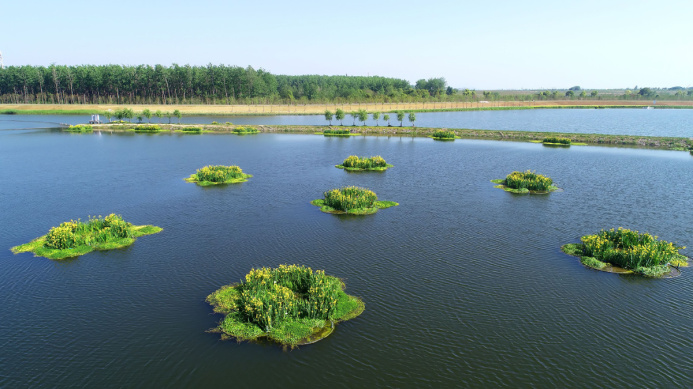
{"x": 319, "y": 109}
{"x": 635, "y": 141}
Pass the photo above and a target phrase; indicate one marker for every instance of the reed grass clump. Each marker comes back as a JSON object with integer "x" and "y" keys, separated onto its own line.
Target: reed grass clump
{"x": 351, "y": 200}
{"x": 218, "y": 174}
{"x": 291, "y": 305}
{"x": 641, "y": 253}
{"x": 74, "y": 238}
{"x": 355, "y": 163}
{"x": 196, "y": 130}
{"x": 337, "y": 132}
{"x": 557, "y": 141}
{"x": 526, "y": 182}
{"x": 147, "y": 128}
{"x": 245, "y": 130}
{"x": 443, "y": 135}
{"x": 80, "y": 128}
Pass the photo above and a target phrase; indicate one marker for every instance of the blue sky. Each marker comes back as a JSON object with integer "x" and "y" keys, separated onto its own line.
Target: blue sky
{"x": 473, "y": 44}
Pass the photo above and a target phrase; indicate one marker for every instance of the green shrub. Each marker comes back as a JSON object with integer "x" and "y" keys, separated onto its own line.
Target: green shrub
{"x": 191, "y": 129}
{"x": 348, "y": 198}
{"x": 218, "y": 174}
{"x": 443, "y": 134}
{"x": 629, "y": 249}
{"x": 245, "y": 130}
{"x": 528, "y": 180}
{"x": 356, "y": 162}
{"x": 148, "y": 128}
{"x": 330, "y": 131}
{"x": 286, "y": 304}
{"x": 556, "y": 140}
{"x": 80, "y": 128}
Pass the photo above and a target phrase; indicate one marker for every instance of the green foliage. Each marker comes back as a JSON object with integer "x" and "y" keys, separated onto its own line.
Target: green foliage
{"x": 148, "y": 114}
{"x": 412, "y": 118}
{"x": 362, "y": 115}
{"x": 287, "y": 304}
{"x": 152, "y": 128}
{"x": 592, "y": 262}
{"x": 376, "y": 117}
{"x": 528, "y": 180}
{"x": 192, "y": 129}
{"x": 349, "y": 198}
{"x": 80, "y": 128}
{"x": 365, "y": 163}
{"x": 336, "y": 132}
{"x": 245, "y": 130}
{"x": 177, "y": 114}
{"x": 386, "y": 117}
{"x": 400, "y": 117}
{"x": 75, "y": 238}
{"x": 218, "y": 174}
{"x": 339, "y": 115}
{"x": 329, "y": 116}
{"x": 443, "y": 134}
{"x": 629, "y": 249}
{"x": 557, "y": 140}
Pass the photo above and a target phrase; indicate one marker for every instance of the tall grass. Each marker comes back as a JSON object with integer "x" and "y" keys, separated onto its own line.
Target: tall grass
{"x": 286, "y": 303}
{"x": 192, "y": 129}
{"x": 80, "y": 128}
{"x": 630, "y": 249}
{"x": 245, "y": 130}
{"x": 528, "y": 180}
{"x": 557, "y": 140}
{"x": 356, "y": 162}
{"x": 97, "y": 230}
{"x": 218, "y": 174}
{"x": 443, "y": 134}
{"x": 148, "y": 128}
{"x": 350, "y": 198}
{"x": 330, "y": 131}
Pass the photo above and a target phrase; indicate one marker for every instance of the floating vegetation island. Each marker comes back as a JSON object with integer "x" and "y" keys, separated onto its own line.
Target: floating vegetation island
{"x": 331, "y": 132}
{"x": 351, "y": 200}
{"x": 444, "y": 135}
{"x": 526, "y": 182}
{"x": 627, "y": 251}
{"x": 355, "y": 163}
{"x": 245, "y": 130}
{"x": 74, "y": 238}
{"x": 218, "y": 174}
{"x": 291, "y": 305}
{"x": 80, "y": 128}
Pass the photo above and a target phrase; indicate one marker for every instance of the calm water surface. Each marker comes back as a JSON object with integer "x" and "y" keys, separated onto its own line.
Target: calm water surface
{"x": 464, "y": 284}
{"x": 657, "y": 122}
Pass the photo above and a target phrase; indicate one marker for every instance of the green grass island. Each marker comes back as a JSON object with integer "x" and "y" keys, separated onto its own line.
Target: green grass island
{"x": 245, "y": 130}
{"x": 355, "y": 163}
{"x": 444, "y": 135}
{"x": 291, "y": 305}
{"x": 336, "y": 132}
{"x": 75, "y": 238}
{"x": 526, "y": 182}
{"x": 81, "y": 128}
{"x": 555, "y": 141}
{"x": 625, "y": 251}
{"x": 351, "y": 200}
{"x": 217, "y": 175}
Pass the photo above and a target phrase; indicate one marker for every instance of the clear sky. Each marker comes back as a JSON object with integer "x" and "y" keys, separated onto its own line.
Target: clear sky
{"x": 473, "y": 44}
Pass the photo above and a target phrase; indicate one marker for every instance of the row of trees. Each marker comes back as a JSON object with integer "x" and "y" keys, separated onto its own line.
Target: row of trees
{"x": 362, "y": 116}
{"x": 211, "y": 84}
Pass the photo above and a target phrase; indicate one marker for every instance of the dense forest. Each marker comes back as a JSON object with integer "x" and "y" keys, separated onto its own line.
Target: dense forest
{"x": 221, "y": 84}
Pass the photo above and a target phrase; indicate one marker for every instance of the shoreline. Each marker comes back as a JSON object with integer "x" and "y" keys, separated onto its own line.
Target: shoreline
{"x": 629, "y": 141}
{"x": 319, "y": 109}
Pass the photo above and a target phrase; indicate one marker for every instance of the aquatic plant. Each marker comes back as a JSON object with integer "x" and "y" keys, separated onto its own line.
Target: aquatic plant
{"x": 557, "y": 141}
{"x": 351, "y": 200}
{"x": 526, "y": 182}
{"x": 245, "y": 130}
{"x": 218, "y": 174}
{"x": 152, "y": 128}
{"x": 443, "y": 135}
{"x": 331, "y": 132}
{"x": 80, "y": 128}
{"x": 74, "y": 238}
{"x": 628, "y": 249}
{"x": 191, "y": 129}
{"x": 354, "y": 162}
{"x": 291, "y": 305}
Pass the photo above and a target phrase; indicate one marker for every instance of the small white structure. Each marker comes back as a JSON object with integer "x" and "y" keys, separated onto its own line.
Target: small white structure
{"x": 95, "y": 119}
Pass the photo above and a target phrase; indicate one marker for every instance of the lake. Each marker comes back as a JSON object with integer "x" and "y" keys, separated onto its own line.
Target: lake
{"x": 626, "y": 121}
{"x": 464, "y": 284}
